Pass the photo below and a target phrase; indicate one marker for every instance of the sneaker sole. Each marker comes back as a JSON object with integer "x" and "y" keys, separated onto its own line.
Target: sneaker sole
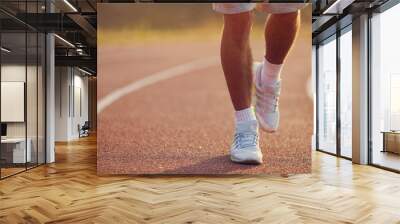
{"x": 247, "y": 161}
{"x": 264, "y": 126}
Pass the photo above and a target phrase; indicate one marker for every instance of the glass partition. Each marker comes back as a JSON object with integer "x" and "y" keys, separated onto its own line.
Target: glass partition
{"x": 23, "y": 91}
{"x": 14, "y": 151}
{"x": 31, "y": 99}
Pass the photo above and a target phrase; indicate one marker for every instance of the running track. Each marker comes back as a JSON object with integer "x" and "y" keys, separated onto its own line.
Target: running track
{"x": 168, "y": 111}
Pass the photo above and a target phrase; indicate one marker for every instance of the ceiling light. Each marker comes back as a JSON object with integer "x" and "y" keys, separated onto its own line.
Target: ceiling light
{"x": 5, "y": 50}
{"x": 333, "y": 6}
{"x": 337, "y": 7}
{"x": 79, "y": 51}
{"x": 84, "y": 71}
{"x": 65, "y": 41}
{"x": 70, "y": 5}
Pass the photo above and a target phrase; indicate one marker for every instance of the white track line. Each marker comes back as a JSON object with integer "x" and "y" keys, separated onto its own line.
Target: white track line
{"x": 154, "y": 78}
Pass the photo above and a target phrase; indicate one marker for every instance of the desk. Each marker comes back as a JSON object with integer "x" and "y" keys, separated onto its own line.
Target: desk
{"x": 391, "y": 141}
{"x": 16, "y": 148}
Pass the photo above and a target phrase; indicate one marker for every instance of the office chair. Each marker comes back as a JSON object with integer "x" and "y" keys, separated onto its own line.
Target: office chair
{"x": 84, "y": 130}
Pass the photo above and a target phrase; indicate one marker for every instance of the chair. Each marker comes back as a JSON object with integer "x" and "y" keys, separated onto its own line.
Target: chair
{"x": 84, "y": 130}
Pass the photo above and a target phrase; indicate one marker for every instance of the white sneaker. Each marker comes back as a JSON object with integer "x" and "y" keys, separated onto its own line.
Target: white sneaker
{"x": 245, "y": 148}
{"x": 267, "y": 99}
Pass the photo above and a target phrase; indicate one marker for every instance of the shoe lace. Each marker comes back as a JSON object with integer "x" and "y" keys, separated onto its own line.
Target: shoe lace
{"x": 276, "y": 103}
{"x": 245, "y": 139}
{"x": 274, "y": 95}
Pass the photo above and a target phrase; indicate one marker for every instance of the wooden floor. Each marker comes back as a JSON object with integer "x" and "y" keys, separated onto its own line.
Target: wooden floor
{"x": 69, "y": 191}
{"x": 388, "y": 159}
{"x": 5, "y": 172}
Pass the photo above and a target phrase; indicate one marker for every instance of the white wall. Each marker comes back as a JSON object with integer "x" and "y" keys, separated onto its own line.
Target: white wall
{"x": 82, "y": 83}
{"x": 13, "y": 101}
{"x": 70, "y": 83}
{"x": 12, "y": 73}
{"x": 62, "y": 82}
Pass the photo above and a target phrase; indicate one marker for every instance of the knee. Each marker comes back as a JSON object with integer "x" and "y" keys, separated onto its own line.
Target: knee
{"x": 238, "y": 26}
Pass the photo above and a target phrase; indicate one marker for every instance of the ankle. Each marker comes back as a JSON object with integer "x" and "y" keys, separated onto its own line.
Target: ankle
{"x": 245, "y": 115}
{"x": 271, "y": 73}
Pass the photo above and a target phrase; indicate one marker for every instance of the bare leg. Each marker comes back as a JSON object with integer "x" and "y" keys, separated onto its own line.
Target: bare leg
{"x": 236, "y": 58}
{"x": 280, "y": 32}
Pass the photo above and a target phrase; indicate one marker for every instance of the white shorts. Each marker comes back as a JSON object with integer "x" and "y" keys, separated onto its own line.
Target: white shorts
{"x": 272, "y": 8}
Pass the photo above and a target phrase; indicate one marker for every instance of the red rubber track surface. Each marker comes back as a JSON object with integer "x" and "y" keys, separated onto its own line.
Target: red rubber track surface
{"x": 184, "y": 125}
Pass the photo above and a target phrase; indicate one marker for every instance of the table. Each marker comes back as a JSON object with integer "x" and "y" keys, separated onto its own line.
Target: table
{"x": 16, "y": 147}
{"x": 391, "y": 141}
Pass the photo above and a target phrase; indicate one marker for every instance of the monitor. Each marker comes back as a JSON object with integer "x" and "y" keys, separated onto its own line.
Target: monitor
{"x": 3, "y": 129}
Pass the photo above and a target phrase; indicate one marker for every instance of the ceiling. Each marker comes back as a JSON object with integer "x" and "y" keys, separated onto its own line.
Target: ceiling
{"x": 332, "y": 15}
{"x": 74, "y": 22}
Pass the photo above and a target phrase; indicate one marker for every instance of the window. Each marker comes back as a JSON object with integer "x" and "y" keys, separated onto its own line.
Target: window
{"x": 346, "y": 93}
{"x": 385, "y": 89}
{"x": 327, "y": 96}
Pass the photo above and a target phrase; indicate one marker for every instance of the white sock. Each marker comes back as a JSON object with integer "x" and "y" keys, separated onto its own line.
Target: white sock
{"x": 245, "y": 115}
{"x": 271, "y": 73}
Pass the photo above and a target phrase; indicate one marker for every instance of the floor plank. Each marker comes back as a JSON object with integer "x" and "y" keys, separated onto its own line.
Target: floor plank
{"x": 69, "y": 191}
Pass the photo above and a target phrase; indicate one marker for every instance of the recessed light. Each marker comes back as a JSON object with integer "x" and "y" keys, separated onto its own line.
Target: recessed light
{"x": 5, "y": 50}
{"x": 64, "y": 40}
{"x": 84, "y": 71}
{"x": 70, "y": 5}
